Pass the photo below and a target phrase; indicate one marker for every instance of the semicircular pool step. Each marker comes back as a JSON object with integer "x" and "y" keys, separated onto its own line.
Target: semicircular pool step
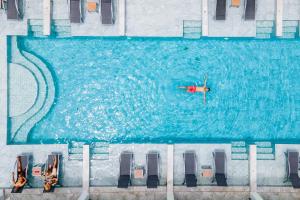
{"x": 18, "y": 121}
{"x": 45, "y": 97}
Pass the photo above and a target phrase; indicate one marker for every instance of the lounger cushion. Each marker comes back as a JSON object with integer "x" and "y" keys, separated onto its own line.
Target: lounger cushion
{"x": 106, "y": 12}
{"x": 12, "y": 12}
{"x": 75, "y": 15}
{"x": 152, "y": 181}
{"x": 221, "y": 10}
{"x": 250, "y": 10}
{"x": 123, "y": 181}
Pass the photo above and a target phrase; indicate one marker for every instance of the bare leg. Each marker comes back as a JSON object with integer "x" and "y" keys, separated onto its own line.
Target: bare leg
{"x": 19, "y": 165}
{"x": 55, "y": 161}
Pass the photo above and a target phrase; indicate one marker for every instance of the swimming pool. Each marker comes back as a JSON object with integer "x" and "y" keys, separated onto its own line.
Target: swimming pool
{"x": 124, "y": 90}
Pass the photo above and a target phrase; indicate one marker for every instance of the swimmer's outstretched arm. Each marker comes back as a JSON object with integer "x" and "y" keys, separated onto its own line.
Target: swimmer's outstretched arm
{"x": 181, "y": 87}
{"x": 205, "y": 80}
{"x": 204, "y": 97}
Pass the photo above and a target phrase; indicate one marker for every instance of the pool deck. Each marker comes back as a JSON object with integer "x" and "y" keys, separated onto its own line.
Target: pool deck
{"x": 145, "y": 18}
{"x": 105, "y": 172}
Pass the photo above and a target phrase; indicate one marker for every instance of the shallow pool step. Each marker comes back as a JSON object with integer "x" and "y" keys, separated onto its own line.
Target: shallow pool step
{"x": 192, "y": 29}
{"x": 102, "y": 156}
{"x": 265, "y": 157}
{"x": 263, "y": 36}
{"x": 75, "y": 157}
{"x": 265, "y": 150}
{"x": 34, "y": 22}
{"x": 239, "y": 150}
{"x": 265, "y": 23}
{"x": 290, "y": 23}
{"x": 241, "y": 156}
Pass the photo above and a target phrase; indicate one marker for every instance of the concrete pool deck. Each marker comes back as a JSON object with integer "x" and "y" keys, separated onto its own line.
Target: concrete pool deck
{"x": 104, "y": 173}
{"x": 150, "y": 19}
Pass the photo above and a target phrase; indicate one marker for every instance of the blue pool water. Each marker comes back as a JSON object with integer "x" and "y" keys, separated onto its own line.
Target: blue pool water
{"x": 125, "y": 90}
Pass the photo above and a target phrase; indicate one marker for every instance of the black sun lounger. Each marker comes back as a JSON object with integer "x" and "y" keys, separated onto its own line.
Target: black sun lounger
{"x": 50, "y": 161}
{"x": 75, "y": 11}
{"x": 292, "y": 168}
{"x": 249, "y": 9}
{"x": 152, "y": 169}
{"x": 14, "y": 9}
{"x": 107, "y": 15}
{"x": 220, "y": 167}
{"x": 24, "y": 164}
{"x": 126, "y": 162}
{"x": 221, "y": 10}
{"x": 190, "y": 168}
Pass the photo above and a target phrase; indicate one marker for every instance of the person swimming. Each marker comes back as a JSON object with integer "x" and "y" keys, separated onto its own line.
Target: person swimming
{"x": 193, "y": 89}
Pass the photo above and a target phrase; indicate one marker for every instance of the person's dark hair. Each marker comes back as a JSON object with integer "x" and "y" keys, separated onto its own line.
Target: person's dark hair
{"x": 208, "y": 89}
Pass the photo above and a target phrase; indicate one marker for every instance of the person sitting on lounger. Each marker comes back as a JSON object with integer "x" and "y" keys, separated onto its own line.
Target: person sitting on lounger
{"x": 21, "y": 180}
{"x": 194, "y": 89}
{"x": 51, "y": 175}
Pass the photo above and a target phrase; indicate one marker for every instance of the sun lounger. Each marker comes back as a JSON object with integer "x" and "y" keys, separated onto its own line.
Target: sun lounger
{"x": 107, "y": 15}
{"x": 14, "y": 9}
{"x": 249, "y": 9}
{"x": 220, "y": 167}
{"x": 152, "y": 169}
{"x": 126, "y": 162}
{"x": 190, "y": 168}
{"x": 75, "y": 11}
{"x": 24, "y": 164}
{"x": 221, "y": 10}
{"x": 50, "y": 161}
{"x": 292, "y": 168}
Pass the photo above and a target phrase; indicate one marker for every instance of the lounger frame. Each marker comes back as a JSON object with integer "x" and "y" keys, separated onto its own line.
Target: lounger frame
{"x": 245, "y": 5}
{"x": 289, "y": 170}
{"x": 58, "y": 169}
{"x": 214, "y": 163}
{"x": 112, "y": 21}
{"x": 130, "y": 166}
{"x": 196, "y": 166}
{"x": 81, "y": 11}
{"x": 24, "y": 169}
{"x": 158, "y": 164}
{"x": 219, "y": 17}
{"x": 19, "y": 7}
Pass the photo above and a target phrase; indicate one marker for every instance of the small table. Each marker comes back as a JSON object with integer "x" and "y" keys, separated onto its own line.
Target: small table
{"x": 38, "y": 169}
{"x": 92, "y": 6}
{"x": 139, "y": 172}
{"x": 206, "y": 171}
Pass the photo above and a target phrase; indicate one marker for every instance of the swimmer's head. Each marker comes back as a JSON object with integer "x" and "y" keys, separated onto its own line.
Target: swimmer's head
{"x": 207, "y": 89}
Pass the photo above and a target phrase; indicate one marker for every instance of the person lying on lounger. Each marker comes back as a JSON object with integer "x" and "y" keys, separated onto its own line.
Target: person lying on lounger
{"x": 51, "y": 174}
{"x": 21, "y": 180}
{"x": 194, "y": 89}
